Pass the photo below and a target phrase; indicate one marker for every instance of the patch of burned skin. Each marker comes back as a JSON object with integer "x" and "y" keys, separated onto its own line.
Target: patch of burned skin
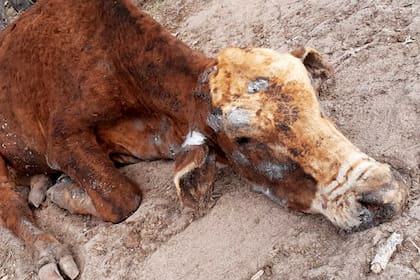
{"x": 238, "y": 118}
{"x": 131, "y": 140}
{"x": 257, "y": 85}
{"x": 214, "y": 119}
{"x": 30, "y": 227}
{"x": 293, "y": 188}
{"x": 281, "y": 179}
{"x": 297, "y": 187}
{"x": 240, "y": 159}
{"x": 274, "y": 171}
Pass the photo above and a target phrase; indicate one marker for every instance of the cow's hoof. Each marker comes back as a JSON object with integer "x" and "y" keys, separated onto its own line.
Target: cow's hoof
{"x": 193, "y": 190}
{"x": 39, "y": 186}
{"x": 194, "y": 175}
{"x": 53, "y": 259}
{"x": 70, "y": 196}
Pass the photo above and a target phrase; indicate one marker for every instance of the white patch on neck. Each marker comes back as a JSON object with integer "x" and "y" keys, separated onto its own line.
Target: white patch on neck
{"x": 194, "y": 138}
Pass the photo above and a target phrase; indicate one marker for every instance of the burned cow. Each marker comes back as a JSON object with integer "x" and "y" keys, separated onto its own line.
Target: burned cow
{"x": 101, "y": 82}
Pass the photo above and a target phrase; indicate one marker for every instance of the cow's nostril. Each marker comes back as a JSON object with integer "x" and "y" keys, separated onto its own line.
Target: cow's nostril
{"x": 375, "y": 210}
{"x": 384, "y": 213}
{"x": 385, "y": 202}
{"x": 366, "y": 219}
{"x": 376, "y": 213}
{"x": 365, "y": 216}
{"x": 371, "y": 198}
{"x": 379, "y": 198}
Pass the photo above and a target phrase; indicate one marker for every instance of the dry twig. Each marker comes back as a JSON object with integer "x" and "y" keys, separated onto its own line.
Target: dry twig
{"x": 258, "y": 275}
{"x": 385, "y": 252}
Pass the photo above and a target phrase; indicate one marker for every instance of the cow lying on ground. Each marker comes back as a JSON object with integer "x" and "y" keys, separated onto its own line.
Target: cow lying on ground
{"x": 84, "y": 84}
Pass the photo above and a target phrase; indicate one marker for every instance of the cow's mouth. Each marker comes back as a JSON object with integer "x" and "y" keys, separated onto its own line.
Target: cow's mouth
{"x": 373, "y": 215}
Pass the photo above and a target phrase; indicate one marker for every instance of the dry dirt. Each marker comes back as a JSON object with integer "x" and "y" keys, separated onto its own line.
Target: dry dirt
{"x": 375, "y": 100}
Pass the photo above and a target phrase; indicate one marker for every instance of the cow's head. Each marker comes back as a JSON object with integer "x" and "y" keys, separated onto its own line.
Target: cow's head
{"x": 267, "y": 121}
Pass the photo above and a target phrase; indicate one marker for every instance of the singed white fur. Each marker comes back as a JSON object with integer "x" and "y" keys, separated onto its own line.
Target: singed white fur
{"x": 355, "y": 157}
{"x": 351, "y": 179}
{"x": 178, "y": 176}
{"x": 194, "y": 138}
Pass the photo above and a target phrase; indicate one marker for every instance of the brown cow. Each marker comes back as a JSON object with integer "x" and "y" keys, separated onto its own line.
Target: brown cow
{"x": 86, "y": 83}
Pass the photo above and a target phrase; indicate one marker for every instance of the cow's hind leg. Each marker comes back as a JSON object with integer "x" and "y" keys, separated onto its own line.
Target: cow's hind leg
{"x": 46, "y": 250}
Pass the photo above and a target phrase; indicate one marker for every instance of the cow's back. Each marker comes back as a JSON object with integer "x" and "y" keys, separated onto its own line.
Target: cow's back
{"x": 46, "y": 56}
{"x": 41, "y": 52}
{"x": 72, "y": 66}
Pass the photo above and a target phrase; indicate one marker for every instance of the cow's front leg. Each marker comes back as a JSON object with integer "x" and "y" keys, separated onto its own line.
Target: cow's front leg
{"x": 195, "y": 168}
{"x": 48, "y": 253}
{"x": 113, "y": 195}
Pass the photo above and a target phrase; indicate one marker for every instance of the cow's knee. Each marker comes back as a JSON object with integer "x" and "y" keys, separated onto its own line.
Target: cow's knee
{"x": 118, "y": 212}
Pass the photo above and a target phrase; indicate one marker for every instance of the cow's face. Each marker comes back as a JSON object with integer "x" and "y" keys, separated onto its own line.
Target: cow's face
{"x": 269, "y": 124}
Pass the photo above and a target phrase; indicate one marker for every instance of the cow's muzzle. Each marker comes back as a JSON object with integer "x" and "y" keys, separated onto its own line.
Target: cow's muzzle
{"x": 382, "y": 205}
{"x": 376, "y": 196}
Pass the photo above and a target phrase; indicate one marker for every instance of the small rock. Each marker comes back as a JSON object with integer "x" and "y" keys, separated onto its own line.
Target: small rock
{"x": 10, "y": 13}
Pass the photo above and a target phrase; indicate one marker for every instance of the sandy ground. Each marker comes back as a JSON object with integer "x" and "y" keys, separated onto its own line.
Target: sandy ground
{"x": 375, "y": 100}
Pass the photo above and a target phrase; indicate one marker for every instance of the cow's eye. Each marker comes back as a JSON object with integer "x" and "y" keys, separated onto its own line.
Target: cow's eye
{"x": 242, "y": 140}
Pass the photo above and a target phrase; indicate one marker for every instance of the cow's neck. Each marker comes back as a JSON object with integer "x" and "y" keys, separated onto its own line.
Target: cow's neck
{"x": 165, "y": 73}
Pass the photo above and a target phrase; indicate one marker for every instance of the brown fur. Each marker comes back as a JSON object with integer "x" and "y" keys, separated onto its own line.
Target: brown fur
{"x": 86, "y": 83}
{"x": 67, "y": 77}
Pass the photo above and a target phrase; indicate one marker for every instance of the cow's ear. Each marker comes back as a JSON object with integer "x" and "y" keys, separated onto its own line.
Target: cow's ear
{"x": 195, "y": 169}
{"x": 314, "y": 62}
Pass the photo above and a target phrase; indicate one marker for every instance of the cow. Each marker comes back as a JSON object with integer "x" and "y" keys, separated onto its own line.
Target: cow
{"x": 88, "y": 84}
